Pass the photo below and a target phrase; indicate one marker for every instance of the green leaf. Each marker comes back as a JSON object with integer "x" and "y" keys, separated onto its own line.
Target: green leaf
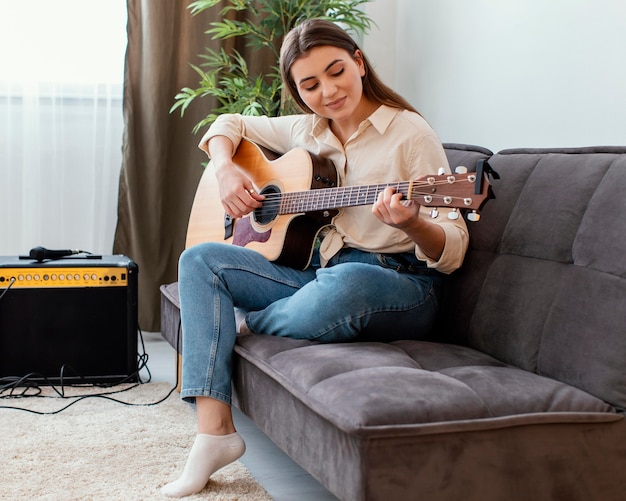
{"x": 257, "y": 24}
{"x": 201, "y": 5}
{"x": 228, "y": 29}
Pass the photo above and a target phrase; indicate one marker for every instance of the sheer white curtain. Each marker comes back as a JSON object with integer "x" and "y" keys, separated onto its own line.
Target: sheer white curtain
{"x": 61, "y": 123}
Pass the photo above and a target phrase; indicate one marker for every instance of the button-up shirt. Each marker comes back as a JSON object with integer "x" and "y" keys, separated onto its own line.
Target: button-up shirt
{"x": 391, "y": 145}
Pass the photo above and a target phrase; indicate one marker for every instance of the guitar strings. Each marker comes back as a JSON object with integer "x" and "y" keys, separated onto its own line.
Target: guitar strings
{"x": 274, "y": 200}
{"x": 364, "y": 188}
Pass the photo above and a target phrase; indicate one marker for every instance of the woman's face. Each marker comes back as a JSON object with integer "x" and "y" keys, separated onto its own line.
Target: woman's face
{"x": 328, "y": 80}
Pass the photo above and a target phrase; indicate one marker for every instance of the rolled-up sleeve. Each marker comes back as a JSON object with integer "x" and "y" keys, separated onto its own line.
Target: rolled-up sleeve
{"x": 457, "y": 240}
{"x": 275, "y": 133}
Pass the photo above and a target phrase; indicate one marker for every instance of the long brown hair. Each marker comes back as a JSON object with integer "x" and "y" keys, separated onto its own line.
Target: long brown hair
{"x": 319, "y": 32}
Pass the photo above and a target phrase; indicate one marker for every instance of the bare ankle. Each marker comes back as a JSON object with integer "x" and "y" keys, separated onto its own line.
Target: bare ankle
{"x": 214, "y": 417}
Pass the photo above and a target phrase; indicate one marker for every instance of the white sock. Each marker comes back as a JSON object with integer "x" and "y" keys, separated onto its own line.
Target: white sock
{"x": 243, "y": 328}
{"x": 208, "y": 454}
{"x": 240, "y": 322}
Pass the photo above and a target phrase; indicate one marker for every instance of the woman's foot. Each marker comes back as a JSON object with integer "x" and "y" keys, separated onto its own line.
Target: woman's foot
{"x": 208, "y": 454}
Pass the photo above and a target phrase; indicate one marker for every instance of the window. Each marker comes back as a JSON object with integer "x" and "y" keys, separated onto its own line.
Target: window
{"x": 61, "y": 123}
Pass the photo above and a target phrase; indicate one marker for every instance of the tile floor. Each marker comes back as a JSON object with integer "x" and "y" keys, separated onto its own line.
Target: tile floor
{"x": 283, "y": 479}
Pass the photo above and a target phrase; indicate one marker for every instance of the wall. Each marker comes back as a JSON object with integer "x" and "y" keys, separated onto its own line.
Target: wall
{"x": 518, "y": 73}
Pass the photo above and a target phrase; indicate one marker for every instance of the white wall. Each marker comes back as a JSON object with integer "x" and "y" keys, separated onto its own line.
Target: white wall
{"x": 507, "y": 73}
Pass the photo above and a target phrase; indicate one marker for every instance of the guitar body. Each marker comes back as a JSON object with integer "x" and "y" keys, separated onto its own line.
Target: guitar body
{"x": 287, "y": 239}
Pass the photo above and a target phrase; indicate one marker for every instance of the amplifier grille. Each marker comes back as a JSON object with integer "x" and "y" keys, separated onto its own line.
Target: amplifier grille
{"x": 74, "y": 319}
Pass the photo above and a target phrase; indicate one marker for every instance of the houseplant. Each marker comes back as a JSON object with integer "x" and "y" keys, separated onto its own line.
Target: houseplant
{"x": 261, "y": 26}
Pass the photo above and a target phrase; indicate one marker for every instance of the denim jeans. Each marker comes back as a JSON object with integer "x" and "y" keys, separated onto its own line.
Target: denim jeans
{"x": 358, "y": 295}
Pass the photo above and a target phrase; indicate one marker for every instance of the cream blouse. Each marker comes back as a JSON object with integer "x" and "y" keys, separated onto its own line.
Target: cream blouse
{"x": 391, "y": 145}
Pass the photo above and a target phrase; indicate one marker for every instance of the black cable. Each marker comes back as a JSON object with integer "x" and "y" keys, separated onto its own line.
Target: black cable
{"x": 13, "y": 280}
{"x": 26, "y": 385}
{"x": 29, "y": 379}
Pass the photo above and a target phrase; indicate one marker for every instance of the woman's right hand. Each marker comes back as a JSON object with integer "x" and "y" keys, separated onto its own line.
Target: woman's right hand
{"x": 238, "y": 194}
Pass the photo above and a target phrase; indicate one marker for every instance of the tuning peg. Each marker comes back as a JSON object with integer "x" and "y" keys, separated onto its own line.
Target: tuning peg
{"x": 461, "y": 169}
{"x": 441, "y": 171}
{"x": 453, "y": 214}
{"x": 473, "y": 216}
{"x": 434, "y": 213}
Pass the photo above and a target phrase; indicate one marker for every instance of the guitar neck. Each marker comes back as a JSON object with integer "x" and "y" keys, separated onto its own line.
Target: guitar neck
{"x": 452, "y": 190}
{"x": 336, "y": 198}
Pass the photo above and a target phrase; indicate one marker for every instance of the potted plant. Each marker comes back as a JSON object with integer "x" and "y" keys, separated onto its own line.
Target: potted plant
{"x": 261, "y": 25}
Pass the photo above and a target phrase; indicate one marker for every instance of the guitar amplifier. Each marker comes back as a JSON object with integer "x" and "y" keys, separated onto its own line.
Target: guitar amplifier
{"x": 71, "y": 320}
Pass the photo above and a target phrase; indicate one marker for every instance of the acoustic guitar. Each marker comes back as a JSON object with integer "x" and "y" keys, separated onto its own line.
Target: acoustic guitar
{"x": 302, "y": 196}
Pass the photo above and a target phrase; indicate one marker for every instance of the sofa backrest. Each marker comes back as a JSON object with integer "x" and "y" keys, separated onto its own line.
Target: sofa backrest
{"x": 543, "y": 286}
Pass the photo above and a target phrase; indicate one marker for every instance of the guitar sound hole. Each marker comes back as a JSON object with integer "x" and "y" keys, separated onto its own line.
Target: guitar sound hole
{"x": 269, "y": 210}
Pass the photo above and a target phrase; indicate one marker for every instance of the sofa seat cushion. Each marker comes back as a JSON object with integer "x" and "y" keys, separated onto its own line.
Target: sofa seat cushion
{"x": 361, "y": 386}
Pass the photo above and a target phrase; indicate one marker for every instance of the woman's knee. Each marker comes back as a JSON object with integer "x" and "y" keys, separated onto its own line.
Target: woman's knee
{"x": 203, "y": 255}
{"x": 192, "y": 254}
{"x": 352, "y": 280}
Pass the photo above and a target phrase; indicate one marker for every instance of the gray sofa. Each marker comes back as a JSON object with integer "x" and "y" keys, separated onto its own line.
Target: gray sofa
{"x": 520, "y": 392}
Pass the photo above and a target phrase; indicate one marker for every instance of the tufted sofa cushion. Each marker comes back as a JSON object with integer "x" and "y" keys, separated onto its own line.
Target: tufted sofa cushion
{"x": 536, "y": 290}
{"x": 361, "y": 387}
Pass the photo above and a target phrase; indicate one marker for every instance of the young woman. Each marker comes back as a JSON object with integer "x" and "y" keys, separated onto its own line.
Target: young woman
{"x": 377, "y": 270}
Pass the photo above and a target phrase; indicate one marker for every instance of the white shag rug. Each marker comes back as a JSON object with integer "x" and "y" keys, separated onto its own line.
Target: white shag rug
{"x": 98, "y": 449}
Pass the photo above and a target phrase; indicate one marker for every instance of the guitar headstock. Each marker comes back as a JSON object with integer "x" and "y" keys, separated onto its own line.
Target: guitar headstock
{"x": 459, "y": 190}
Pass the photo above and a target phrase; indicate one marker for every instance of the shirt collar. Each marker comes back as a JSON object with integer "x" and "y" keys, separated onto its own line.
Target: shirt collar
{"x": 380, "y": 119}
{"x": 320, "y": 125}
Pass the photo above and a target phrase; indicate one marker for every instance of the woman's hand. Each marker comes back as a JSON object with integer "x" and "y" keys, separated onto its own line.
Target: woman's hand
{"x": 392, "y": 209}
{"x": 237, "y": 193}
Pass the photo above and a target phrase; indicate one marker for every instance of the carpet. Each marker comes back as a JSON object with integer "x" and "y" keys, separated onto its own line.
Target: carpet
{"x": 99, "y": 449}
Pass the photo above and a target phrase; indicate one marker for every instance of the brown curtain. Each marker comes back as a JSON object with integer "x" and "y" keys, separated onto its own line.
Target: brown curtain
{"x": 161, "y": 163}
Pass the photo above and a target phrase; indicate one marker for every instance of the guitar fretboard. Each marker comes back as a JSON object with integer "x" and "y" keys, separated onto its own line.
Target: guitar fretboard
{"x": 336, "y": 198}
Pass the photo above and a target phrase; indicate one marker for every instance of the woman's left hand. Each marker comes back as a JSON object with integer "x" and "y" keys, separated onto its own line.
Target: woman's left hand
{"x": 393, "y": 209}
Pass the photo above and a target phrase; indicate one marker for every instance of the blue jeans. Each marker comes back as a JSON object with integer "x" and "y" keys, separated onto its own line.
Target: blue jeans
{"x": 358, "y": 295}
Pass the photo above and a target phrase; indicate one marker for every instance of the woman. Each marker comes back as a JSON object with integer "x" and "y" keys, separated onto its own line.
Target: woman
{"x": 376, "y": 266}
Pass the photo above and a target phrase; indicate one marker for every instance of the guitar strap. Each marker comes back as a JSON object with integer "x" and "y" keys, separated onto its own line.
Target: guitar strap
{"x": 483, "y": 168}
